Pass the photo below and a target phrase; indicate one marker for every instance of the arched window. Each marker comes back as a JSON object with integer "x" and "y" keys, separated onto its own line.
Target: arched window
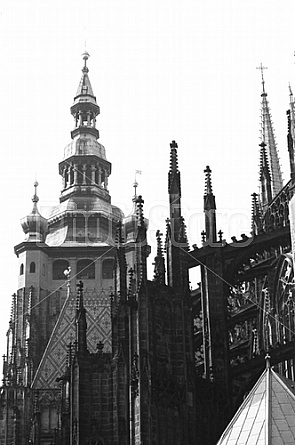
{"x": 32, "y": 267}
{"x": 108, "y": 269}
{"x": 21, "y": 269}
{"x": 85, "y": 269}
{"x": 58, "y": 268}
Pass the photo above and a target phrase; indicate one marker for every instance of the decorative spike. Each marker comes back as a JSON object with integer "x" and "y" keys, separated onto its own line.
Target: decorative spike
{"x": 173, "y": 157}
{"x": 121, "y": 264}
{"x": 168, "y": 231}
{"x": 159, "y": 243}
{"x": 159, "y": 269}
{"x": 139, "y": 211}
{"x": 203, "y": 235}
{"x": 30, "y": 300}
{"x": 174, "y": 174}
{"x": 119, "y": 235}
{"x": 182, "y": 238}
{"x": 13, "y": 309}
{"x": 36, "y": 407}
{"x": 80, "y": 303}
{"x": 264, "y": 165}
{"x": 69, "y": 355}
{"x": 131, "y": 282}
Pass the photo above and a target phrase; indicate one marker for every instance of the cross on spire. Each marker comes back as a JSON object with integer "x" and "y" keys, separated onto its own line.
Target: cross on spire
{"x": 262, "y": 68}
{"x": 173, "y": 145}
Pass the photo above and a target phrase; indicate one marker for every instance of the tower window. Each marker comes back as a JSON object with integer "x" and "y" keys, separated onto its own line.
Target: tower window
{"x": 59, "y": 266}
{"x": 21, "y": 269}
{"x": 85, "y": 269}
{"x": 32, "y": 267}
{"x": 107, "y": 269}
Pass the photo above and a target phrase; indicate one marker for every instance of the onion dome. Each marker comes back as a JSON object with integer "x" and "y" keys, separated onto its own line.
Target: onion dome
{"x": 34, "y": 225}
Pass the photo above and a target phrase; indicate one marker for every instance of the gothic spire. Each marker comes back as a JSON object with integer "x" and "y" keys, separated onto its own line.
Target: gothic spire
{"x": 174, "y": 174}
{"x": 268, "y": 137}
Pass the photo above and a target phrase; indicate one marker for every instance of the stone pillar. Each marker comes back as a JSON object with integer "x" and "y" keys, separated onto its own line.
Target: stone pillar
{"x": 105, "y": 180}
{"x": 76, "y": 167}
{"x": 99, "y": 176}
{"x": 93, "y": 174}
{"x": 84, "y": 174}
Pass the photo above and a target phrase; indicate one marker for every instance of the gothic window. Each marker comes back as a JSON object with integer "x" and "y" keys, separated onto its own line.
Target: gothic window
{"x": 107, "y": 269}
{"x": 85, "y": 269}
{"x": 21, "y": 269}
{"x": 32, "y": 267}
{"x": 58, "y": 268}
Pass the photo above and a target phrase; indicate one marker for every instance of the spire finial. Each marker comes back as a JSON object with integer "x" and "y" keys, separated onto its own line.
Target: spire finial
{"x": 173, "y": 144}
{"x": 135, "y": 184}
{"x": 267, "y": 361}
{"x": 173, "y": 157}
{"x": 261, "y": 68}
{"x": 85, "y": 57}
{"x": 35, "y": 198}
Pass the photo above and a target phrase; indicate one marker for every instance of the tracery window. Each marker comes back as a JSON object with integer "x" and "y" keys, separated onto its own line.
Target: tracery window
{"x": 108, "y": 269}
{"x": 86, "y": 269}
{"x": 58, "y": 268}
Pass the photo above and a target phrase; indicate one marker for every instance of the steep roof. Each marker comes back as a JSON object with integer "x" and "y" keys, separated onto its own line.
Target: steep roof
{"x": 53, "y": 362}
{"x": 267, "y": 415}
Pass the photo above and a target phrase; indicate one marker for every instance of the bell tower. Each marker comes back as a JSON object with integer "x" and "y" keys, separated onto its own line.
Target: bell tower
{"x": 85, "y": 169}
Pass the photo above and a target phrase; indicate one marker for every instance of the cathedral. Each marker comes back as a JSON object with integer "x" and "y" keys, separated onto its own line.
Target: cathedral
{"x": 98, "y": 354}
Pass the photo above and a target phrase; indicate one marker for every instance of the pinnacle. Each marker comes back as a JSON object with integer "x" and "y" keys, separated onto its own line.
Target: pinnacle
{"x": 208, "y": 181}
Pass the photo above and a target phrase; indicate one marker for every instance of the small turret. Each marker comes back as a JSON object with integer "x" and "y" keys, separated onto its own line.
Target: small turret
{"x": 34, "y": 225}
{"x": 85, "y": 109}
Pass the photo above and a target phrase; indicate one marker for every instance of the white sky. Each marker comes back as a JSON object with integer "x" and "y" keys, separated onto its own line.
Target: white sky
{"x": 161, "y": 70}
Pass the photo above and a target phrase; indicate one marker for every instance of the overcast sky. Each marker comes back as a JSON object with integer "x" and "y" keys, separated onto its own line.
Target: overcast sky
{"x": 161, "y": 70}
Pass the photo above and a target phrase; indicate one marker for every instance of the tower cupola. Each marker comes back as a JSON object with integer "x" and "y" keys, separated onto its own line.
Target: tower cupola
{"x": 85, "y": 169}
